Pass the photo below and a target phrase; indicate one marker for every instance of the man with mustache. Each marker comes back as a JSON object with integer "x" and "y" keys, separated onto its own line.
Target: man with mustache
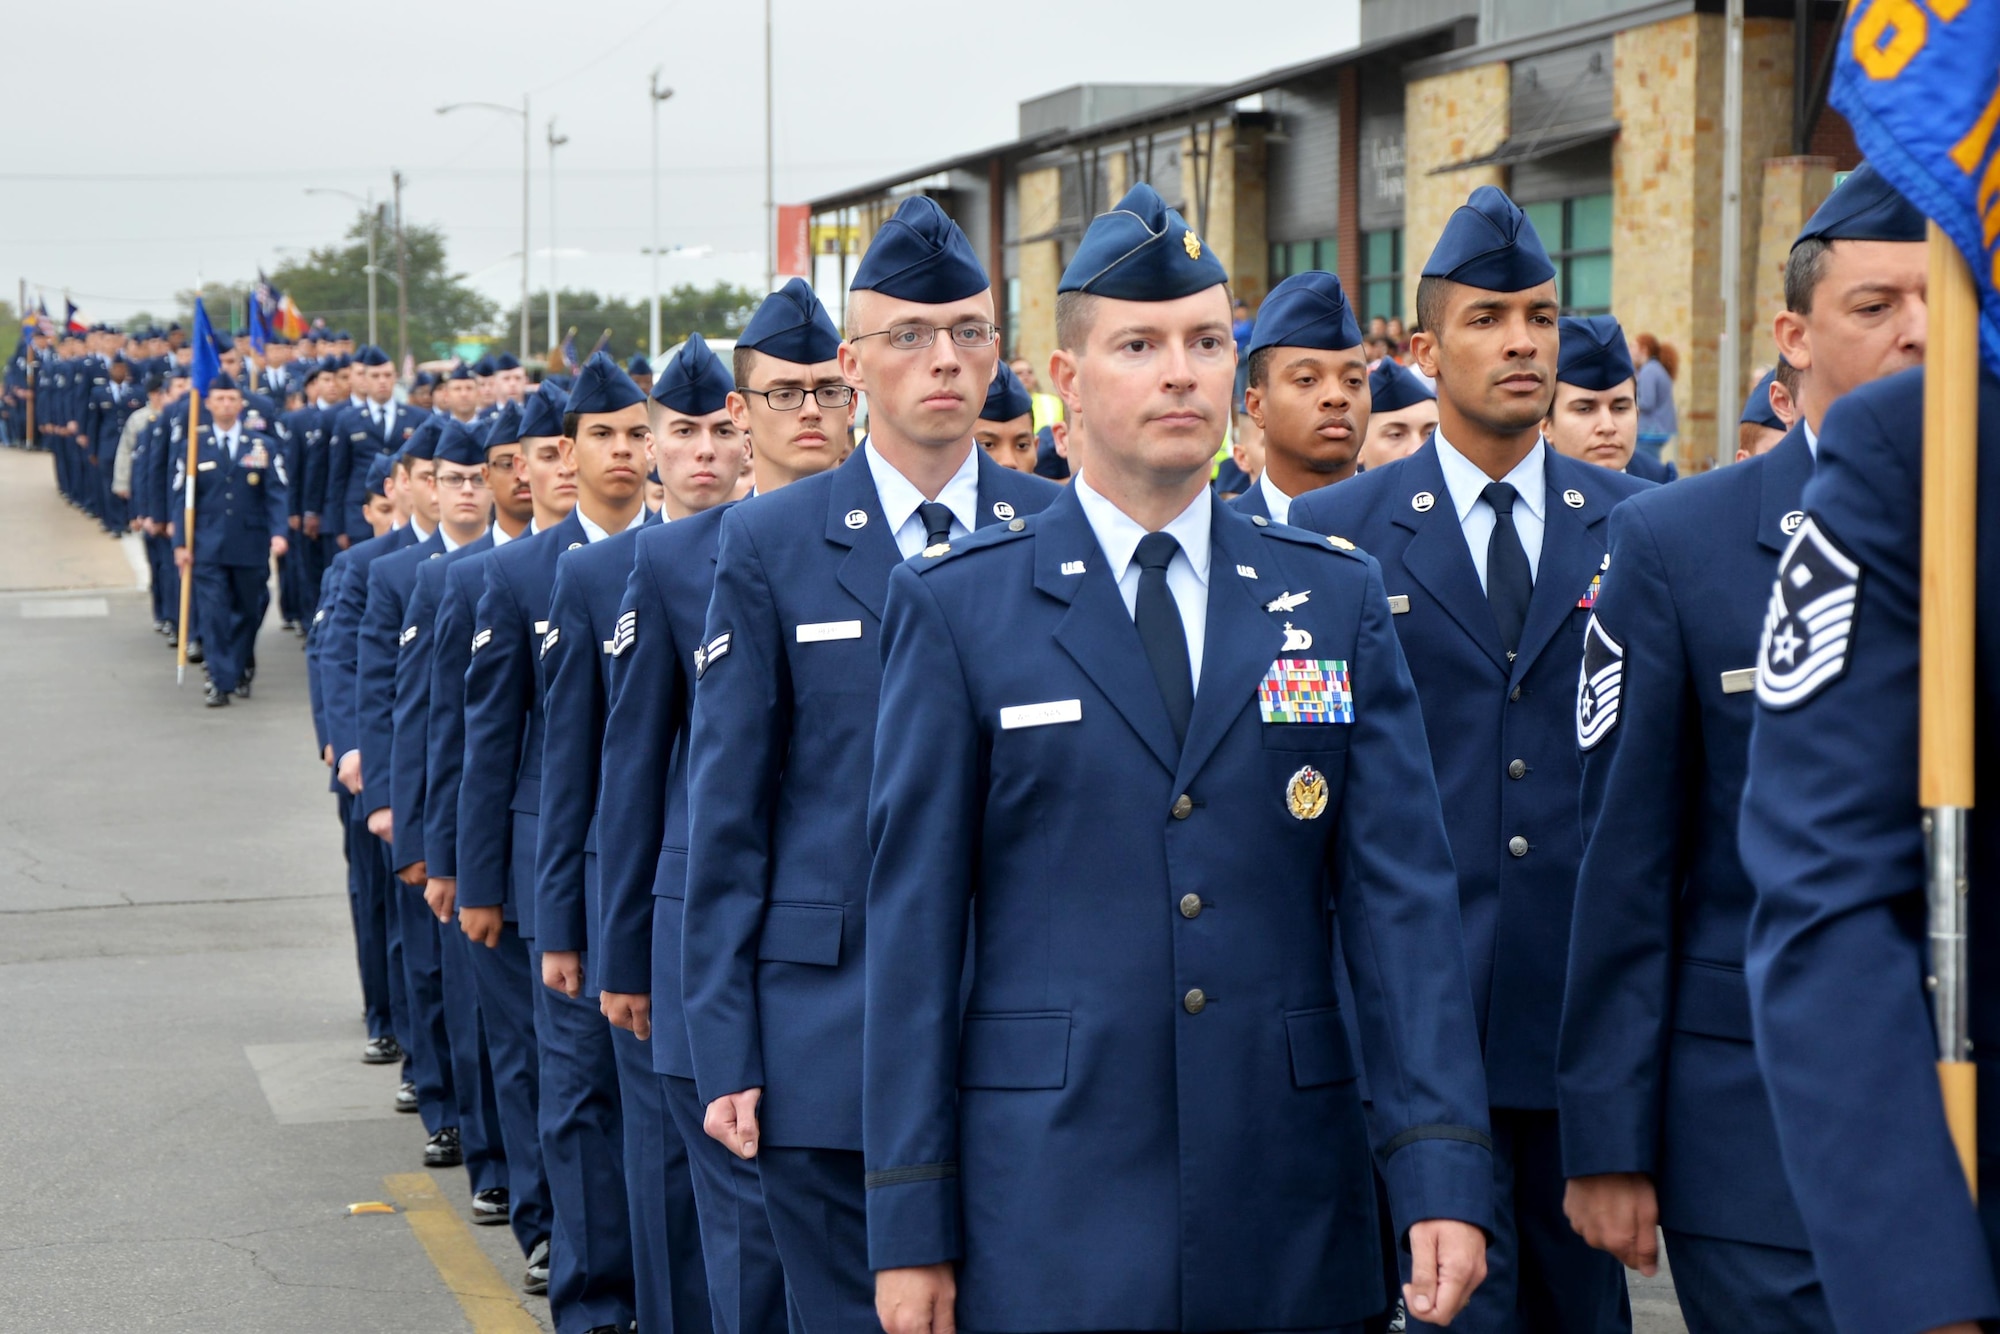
{"x": 1491, "y": 545}
{"x": 1307, "y": 390}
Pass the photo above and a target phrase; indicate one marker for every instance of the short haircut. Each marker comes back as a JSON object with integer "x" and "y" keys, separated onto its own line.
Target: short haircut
{"x": 1803, "y": 269}
{"x": 570, "y": 419}
{"x": 1788, "y": 376}
{"x": 1260, "y": 363}
{"x": 1075, "y": 313}
{"x": 741, "y": 362}
{"x": 1432, "y": 293}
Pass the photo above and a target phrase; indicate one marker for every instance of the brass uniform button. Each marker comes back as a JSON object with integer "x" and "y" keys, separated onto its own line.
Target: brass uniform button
{"x": 1518, "y": 846}
{"x": 1190, "y": 905}
{"x": 1194, "y": 1002}
{"x": 1183, "y": 806}
{"x": 1517, "y": 769}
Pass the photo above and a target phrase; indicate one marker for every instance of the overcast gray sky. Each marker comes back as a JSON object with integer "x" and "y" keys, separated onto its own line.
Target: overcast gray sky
{"x": 188, "y": 133}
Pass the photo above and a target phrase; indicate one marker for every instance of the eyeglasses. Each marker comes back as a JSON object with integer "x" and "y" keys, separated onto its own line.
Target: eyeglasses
{"x": 506, "y": 463}
{"x": 791, "y": 398}
{"x": 460, "y": 481}
{"x": 913, "y": 337}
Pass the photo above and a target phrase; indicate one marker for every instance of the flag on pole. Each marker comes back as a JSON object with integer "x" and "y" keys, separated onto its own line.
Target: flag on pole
{"x": 260, "y": 325}
{"x": 43, "y": 324}
{"x": 1921, "y": 87}
{"x": 207, "y": 353}
{"x": 71, "y": 324}
{"x": 569, "y": 349}
{"x": 291, "y": 323}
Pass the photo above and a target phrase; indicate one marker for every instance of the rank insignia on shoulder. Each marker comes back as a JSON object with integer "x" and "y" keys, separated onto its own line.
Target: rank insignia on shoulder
{"x": 549, "y": 640}
{"x": 1589, "y": 598}
{"x": 1809, "y": 625}
{"x": 706, "y": 655}
{"x": 409, "y": 633}
{"x": 1306, "y": 690}
{"x": 936, "y": 549}
{"x": 623, "y": 635}
{"x": 481, "y": 640}
{"x": 1305, "y": 794}
{"x": 1339, "y": 543}
{"x": 1598, "y": 686}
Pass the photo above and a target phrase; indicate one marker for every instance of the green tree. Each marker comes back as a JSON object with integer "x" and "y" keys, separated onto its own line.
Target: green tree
{"x": 720, "y": 311}
{"x": 10, "y": 322}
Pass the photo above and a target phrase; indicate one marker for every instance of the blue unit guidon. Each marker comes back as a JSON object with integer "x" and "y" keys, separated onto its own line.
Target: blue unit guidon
{"x": 1306, "y": 690}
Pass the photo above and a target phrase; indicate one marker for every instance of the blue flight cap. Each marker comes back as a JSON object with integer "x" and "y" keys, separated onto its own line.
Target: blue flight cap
{"x": 793, "y": 326}
{"x": 1593, "y": 355}
{"x": 154, "y": 382}
{"x": 921, "y": 255}
{"x": 221, "y": 381}
{"x": 456, "y": 443}
{"x": 340, "y": 361}
{"x": 1757, "y": 409}
{"x": 1864, "y": 207}
{"x": 653, "y": 476}
{"x": 506, "y": 361}
{"x": 1394, "y": 387}
{"x": 638, "y": 365}
{"x": 1306, "y": 310}
{"x": 602, "y": 387}
{"x": 542, "y": 414}
{"x": 504, "y": 426}
{"x": 695, "y": 383}
{"x": 1489, "y": 243}
{"x": 1142, "y": 251}
{"x": 422, "y": 443}
{"x": 177, "y": 370}
{"x": 379, "y": 469}
{"x": 342, "y": 337}
{"x": 424, "y": 379}
{"x": 483, "y": 367}
{"x": 371, "y": 355}
{"x": 1005, "y": 398}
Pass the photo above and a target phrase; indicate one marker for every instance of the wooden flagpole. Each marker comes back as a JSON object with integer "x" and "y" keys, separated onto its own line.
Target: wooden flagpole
{"x": 187, "y": 528}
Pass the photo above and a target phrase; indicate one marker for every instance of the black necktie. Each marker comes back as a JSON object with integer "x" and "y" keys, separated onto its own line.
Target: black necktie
{"x": 937, "y": 522}
{"x": 1161, "y": 633}
{"x": 1509, "y": 582}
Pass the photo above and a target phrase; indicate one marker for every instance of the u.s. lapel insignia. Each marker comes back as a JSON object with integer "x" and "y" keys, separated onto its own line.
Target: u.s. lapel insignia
{"x": 1305, "y": 794}
{"x": 857, "y": 518}
{"x": 1247, "y": 571}
{"x": 1599, "y": 683}
{"x": 1002, "y": 510}
{"x": 1296, "y": 640}
{"x": 1790, "y": 523}
{"x": 1072, "y": 567}
{"x": 1573, "y": 498}
{"x": 1422, "y": 502}
{"x": 1288, "y": 602}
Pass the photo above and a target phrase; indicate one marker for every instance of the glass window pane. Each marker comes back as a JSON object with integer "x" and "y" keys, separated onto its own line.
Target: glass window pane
{"x": 1589, "y": 286}
{"x": 1301, "y": 257}
{"x": 1377, "y": 252}
{"x": 1278, "y": 273}
{"x": 1326, "y": 253}
{"x": 1548, "y": 219}
{"x": 1590, "y": 222}
{"x": 1379, "y": 297}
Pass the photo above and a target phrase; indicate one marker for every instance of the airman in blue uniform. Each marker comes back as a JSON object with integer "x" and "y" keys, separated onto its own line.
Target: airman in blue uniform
{"x": 1145, "y": 1114}
{"x": 1491, "y": 545}
{"x": 781, "y": 746}
{"x": 1006, "y": 425}
{"x": 790, "y": 400}
{"x": 373, "y": 422}
{"x": 1306, "y": 388}
{"x": 1595, "y": 416}
{"x": 1402, "y": 414}
{"x": 1664, "y": 1114}
{"x": 239, "y": 525}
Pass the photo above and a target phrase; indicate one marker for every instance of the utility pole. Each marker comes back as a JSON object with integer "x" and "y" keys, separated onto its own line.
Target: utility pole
{"x": 657, "y": 95}
{"x": 555, "y": 141}
{"x": 402, "y": 281}
{"x": 1727, "y": 353}
{"x": 770, "y": 190}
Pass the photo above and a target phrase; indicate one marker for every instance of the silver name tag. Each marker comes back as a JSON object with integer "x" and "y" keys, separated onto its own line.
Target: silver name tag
{"x": 1041, "y": 715}
{"x": 1740, "y": 680}
{"x": 821, "y": 631}
{"x": 1398, "y": 603}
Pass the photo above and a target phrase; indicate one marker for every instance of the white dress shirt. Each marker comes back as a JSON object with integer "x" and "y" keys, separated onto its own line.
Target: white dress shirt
{"x": 1467, "y": 482}
{"x": 1275, "y": 500}
{"x": 230, "y": 440}
{"x": 1812, "y": 438}
{"x": 501, "y": 537}
{"x": 1118, "y": 535}
{"x": 900, "y": 499}
{"x": 593, "y": 533}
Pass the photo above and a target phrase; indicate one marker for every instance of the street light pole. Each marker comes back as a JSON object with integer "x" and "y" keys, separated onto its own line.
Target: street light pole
{"x": 526, "y": 158}
{"x": 657, "y": 96}
{"x": 367, "y": 201}
{"x": 770, "y": 190}
{"x": 555, "y": 141}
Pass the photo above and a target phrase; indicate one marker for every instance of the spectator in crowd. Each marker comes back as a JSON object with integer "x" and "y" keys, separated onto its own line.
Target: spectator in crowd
{"x": 1658, "y": 365}
{"x": 1239, "y": 327}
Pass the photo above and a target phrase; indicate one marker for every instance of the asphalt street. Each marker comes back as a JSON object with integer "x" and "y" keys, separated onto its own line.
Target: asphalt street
{"x": 184, "y": 1118}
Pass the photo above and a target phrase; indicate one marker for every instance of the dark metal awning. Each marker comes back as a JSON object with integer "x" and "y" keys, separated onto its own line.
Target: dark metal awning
{"x": 1538, "y": 144}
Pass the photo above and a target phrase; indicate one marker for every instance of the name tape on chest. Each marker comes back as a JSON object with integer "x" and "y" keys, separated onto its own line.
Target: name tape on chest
{"x": 1399, "y": 603}
{"x": 820, "y": 632}
{"x": 1809, "y": 625}
{"x": 1600, "y": 682}
{"x": 1306, "y": 690}
{"x": 1016, "y": 716}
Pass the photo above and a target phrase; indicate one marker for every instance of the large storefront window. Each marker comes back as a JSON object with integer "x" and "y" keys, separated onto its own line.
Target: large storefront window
{"x": 1381, "y": 275}
{"x": 1290, "y": 257}
{"x": 1577, "y": 234}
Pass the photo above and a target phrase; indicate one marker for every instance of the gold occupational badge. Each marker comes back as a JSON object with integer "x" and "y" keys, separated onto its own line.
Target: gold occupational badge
{"x": 1192, "y": 243}
{"x": 253, "y": 479}
{"x": 1305, "y": 795}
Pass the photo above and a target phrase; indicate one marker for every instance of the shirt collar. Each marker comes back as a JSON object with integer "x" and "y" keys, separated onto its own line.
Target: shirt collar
{"x": 1275, "y": 500}
{"x": 1118, "y": 533}
{"x": 593, "y": 533}
{"x": 1812, "y": 438}
{"x": 501, "y": 537}
{"x": 1467, "y": 482}
{"x": 423, "y": 533}
{"x": 445, "y": 537}
{"x": 900, "y": 497}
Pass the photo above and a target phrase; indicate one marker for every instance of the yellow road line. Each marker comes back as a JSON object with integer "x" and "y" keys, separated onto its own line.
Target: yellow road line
{"x": 490, "y": 1303}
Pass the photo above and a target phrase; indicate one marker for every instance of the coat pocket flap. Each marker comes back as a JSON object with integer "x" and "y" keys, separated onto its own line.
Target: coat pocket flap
{"x": 1014, "y": 1051}
{"x": 1712, "y": 999}
{"x": 801, "y": 933}
{"x": 1320, "y": 1054}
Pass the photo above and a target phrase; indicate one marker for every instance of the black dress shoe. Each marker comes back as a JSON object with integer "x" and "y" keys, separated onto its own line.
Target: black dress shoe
{"x": 194, "y": 652}
{"x": 491, "y": 1206}
{"x": 536, "y": 1281}
{"x": 216, "y": 699}
{"x": 243, "y": 688}
{"x": 406, "y": 1096}
{"x": 443, "y": 1149}
{"x": 380, "y": 1051}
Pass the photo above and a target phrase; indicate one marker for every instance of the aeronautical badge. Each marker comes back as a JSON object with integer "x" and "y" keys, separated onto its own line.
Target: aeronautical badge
{"x": 1598, "y": 686}
{"x": 1305, "y": 794}
{"x": 1810, "y": 622}
{"x": 623, "y": 635}
{"x": 706, "y": 655}
{"x": 1306, "y": 690}
{"x": 1288, "y": 601}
